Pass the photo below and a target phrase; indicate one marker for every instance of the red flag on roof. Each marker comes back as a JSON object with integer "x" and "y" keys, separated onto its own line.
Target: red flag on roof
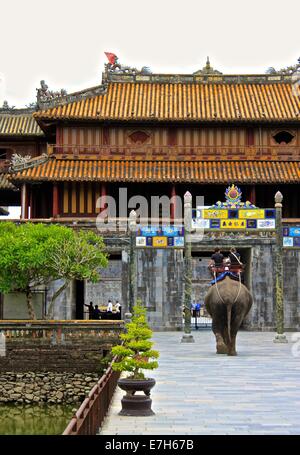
{"x": 111, "y": 57}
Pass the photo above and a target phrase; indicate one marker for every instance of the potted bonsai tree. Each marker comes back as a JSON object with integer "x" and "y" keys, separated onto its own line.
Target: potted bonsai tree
{"x": 134, "y": 356}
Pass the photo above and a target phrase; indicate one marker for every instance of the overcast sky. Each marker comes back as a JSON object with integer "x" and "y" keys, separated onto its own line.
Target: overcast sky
{"x": 63, "y": 41}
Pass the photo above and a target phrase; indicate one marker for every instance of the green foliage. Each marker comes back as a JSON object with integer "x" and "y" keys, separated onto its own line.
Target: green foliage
{"x": 35, "y": 254}
{"x": 135, "y": 354}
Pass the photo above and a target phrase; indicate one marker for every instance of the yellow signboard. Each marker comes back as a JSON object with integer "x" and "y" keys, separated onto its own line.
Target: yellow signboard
{"x": 215, "y": 214}
{"x": 233, "y": 224}
{"x": 256, "y": 214}
{"x": 160, "y": 242}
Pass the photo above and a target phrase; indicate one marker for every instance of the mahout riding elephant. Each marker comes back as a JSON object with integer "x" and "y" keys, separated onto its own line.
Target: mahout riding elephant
{"x": 228, "y": 302}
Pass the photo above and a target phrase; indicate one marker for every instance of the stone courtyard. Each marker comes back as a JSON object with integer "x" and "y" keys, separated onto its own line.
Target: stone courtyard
{"x": 199, "y": 392}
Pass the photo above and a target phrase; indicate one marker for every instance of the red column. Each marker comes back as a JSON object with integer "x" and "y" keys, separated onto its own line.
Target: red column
{"x": 24, "y": 202}
{"x": 252, "y": 195}
{"x": 55, "y": 203}
{"x": 31, "y": 203}
{"x": 173, "y": 204}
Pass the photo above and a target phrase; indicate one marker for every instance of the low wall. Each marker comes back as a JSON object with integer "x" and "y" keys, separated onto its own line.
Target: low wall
{"x": 47, "y": 387}
{"x": 57, "y": 346}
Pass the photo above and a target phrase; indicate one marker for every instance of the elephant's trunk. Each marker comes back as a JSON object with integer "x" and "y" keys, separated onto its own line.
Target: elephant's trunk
{"x": 229, "y": 321}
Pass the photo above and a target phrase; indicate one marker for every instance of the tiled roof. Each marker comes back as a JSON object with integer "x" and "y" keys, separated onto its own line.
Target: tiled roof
{"x": 162, "y": 171}
{"x": 184, "y": 102}
{"x": 6, "y": 184}
{"x": 15, "y": 124}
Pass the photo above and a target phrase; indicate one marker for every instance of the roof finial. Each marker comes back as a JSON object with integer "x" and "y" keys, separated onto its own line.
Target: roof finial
{"x": 207, "y": 63}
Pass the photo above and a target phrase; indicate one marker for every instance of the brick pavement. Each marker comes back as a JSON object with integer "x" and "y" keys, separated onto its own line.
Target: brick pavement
{"x": 199, "y": 392}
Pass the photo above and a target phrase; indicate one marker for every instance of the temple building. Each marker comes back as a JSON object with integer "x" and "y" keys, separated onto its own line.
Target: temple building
{"x": 158, "y": 135}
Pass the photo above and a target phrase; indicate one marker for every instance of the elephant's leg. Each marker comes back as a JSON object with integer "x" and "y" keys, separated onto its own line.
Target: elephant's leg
{"x": 231, "y": 346}
{"x": 220, "y": 344}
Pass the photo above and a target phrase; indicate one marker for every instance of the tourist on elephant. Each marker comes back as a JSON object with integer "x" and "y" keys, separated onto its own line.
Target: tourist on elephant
{"x": 217, "y": 261}
{"x": 235, "y": 257}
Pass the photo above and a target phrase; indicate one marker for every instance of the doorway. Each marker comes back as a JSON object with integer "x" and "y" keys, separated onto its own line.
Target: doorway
{"x": 79, "y": 298}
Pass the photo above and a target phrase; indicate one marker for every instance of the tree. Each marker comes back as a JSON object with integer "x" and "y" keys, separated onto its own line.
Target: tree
{"x": 23, "y": 259}
{"x": 76, "y": 257}
{"x": 35, "y": 254}
{"x": 135, "y": 353}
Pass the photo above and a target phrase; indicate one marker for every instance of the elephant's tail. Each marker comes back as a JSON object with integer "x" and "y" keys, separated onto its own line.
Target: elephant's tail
{"x": 229, "y": 321}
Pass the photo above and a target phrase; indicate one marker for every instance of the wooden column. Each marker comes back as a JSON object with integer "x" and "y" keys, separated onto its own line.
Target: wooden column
{"x": 31, "y": 203}
{"x": 252, "y": 194}
{"x": 173, "y": 203}
{"x": 24, "y": 202}
{"x": 55, "y": 202}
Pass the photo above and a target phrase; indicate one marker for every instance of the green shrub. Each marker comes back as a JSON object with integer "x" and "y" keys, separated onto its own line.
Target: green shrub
{"x": 136, "y": 353}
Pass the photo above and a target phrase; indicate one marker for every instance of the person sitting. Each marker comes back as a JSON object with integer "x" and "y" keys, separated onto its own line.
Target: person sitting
{"x": 217, "y": 260}
{"x": 234, "y": 257}
{"x": 236, "y": 265}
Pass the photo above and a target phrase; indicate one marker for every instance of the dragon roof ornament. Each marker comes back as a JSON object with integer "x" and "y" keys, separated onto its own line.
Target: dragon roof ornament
{"x": 288, "y": 71}
{"x": 115, "y": 67}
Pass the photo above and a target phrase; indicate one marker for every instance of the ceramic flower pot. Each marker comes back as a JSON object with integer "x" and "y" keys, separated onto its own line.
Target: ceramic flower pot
{"x": 136, "y": 405}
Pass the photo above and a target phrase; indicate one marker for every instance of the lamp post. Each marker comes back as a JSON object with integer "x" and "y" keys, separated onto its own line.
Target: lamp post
{"x": 132, "y": 258}
{"x": 187, "y": 337}
{"x": 280, "y": 337}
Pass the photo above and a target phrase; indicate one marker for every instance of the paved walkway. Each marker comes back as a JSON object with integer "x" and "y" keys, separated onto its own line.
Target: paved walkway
{"x": 199, "y": 392}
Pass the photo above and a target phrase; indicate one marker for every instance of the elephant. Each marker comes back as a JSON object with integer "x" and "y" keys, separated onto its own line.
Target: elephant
{"x": 228, "y": 302}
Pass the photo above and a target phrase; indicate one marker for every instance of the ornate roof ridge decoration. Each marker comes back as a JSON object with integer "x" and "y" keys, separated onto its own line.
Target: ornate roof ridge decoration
{"x": 115, "y": 67}
{"x": 5, "y": 184}
{"x": 12, "y": 110}
{"x": 116, "y": 72}
{"x": 20, "y": 163}
{"x": 288, "y": 70}
{"x": 196, "y": 78}
{"x": 6, "y": 107}
{"x": 233, "y": 197}
{"x": 47, "y": 98}
{"x": 207, "y": 69}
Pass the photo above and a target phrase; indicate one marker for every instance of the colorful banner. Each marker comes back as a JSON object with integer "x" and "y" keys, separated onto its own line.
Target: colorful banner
{"x": 160, "y": 242}
{"x": 140, "y": 241}
{"x": 200, "y": 223}
{"x": 265, "y": 224}
{"x": 288, "y": 241}
{"x": 253, "y": 214}
{"x": 215, "y": 213}
{"x": 294, "y": 231}
{"x": 233, "y": 224}
{"x": 291, "y": 236}
{"x": 160, "y": 236}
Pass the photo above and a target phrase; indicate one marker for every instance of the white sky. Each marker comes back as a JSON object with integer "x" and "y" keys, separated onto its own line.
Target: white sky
{"x": 63, "y": 41}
